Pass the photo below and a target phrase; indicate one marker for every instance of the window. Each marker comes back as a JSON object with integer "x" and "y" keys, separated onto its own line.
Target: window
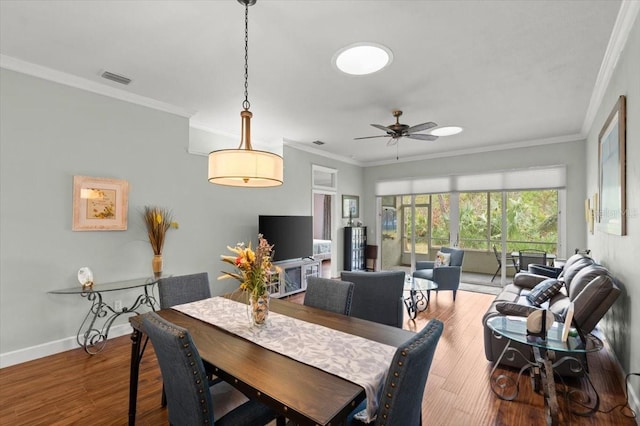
{"x": 324, "y": 178}
{"x": 421, "y": 224}
{"x": 532, "y": 220}
{"x": 440, "y": 211}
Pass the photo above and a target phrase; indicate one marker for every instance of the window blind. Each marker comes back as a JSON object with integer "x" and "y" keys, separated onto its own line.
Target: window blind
{"x": 508, "y": 180}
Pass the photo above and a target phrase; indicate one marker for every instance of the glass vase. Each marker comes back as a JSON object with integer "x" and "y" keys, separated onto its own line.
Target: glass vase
{"x": 259, "y": 308}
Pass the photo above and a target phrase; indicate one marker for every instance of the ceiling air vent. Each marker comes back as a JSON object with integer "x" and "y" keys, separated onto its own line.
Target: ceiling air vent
{"x": 115, "y": 77}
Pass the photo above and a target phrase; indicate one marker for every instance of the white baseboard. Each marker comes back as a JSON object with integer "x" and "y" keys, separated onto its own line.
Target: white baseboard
{"x": 633, "y": 398}
{"x": 8, "y": 359}
{"x": 634, "y": 401}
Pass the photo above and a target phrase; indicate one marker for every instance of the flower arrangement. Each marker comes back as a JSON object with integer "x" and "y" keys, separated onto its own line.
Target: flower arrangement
{"x": 158, "y": 221}
{"x": 253, "y": 268}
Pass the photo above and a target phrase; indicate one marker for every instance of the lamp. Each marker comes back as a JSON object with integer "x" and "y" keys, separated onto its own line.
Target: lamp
{"x": 245, "y": 167}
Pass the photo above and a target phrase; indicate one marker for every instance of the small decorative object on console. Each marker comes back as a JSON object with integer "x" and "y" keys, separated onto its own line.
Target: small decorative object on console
{"x": 85, "y": 276}
{"x": 253, "y": 271}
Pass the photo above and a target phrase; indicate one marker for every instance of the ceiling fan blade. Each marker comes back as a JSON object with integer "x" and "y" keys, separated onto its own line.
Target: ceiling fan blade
{"x": 421, "y": 127}
{"x": 422, "y": 137}
{"x": 383, "y": 128}
{"x": 370, "y": 137}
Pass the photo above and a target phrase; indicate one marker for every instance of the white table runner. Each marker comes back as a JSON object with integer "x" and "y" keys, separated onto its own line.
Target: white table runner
{"x": 350, "y": 357}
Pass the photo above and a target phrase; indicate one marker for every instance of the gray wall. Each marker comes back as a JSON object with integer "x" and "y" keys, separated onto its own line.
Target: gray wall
{"x": 51, "y": 132}
{"x": 619, "y": 253}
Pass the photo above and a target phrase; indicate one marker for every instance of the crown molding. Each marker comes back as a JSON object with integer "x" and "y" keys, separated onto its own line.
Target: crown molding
{"x": 18, "y": 65}
{"x": 622, "y": 28}
{"x": 514, "y": 145}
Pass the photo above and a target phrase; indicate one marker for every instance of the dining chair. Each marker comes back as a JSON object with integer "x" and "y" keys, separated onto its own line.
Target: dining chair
{"x": 401, "y": 399}
{"x": 183, "y": 289}
{"x": 511, "y": 262}
{"x": 330, "y": 295}
{"x": 190, "y": 400}
{"x": 530, "y": 256}
{"x": 377, "y": 296}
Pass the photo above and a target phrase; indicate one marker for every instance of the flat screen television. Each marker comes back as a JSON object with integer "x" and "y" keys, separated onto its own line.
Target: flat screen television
{"x": 291, "y": 236}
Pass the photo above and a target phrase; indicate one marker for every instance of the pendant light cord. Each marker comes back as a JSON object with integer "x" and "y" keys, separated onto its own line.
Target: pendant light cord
{"x": 245, "y": 104}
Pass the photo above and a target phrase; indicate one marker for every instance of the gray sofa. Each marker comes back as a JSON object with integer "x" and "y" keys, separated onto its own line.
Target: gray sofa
{"x": 588, "y": 285}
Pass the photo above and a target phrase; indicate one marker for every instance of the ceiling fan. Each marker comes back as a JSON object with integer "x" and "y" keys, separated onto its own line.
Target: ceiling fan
{"x": 398, "y": 130}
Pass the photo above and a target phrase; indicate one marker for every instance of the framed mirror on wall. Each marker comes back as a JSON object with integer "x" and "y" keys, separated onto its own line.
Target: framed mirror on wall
{"x": 611, "y": 209}
{"x": 350, "y": 206}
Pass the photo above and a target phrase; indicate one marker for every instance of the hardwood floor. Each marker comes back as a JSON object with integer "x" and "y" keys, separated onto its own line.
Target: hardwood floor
{"x": 76, "y": 388}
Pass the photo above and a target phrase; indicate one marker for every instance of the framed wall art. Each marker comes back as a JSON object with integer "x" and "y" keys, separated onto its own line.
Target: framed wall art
{"x": 350, "y": 206}
{"x": 99, "y": 204}
{"x": 612, "y": 191}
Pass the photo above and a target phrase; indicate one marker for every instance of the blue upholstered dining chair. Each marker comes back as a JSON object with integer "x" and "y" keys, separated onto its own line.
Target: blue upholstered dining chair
{"x": 190, "y": 400}
{"x": 377, "y": 296}
{"x": 447, "y": 277}
{"x": 330, "y": 295}
{"x": 401, "y": 399}
{"x": 183, "y": 289}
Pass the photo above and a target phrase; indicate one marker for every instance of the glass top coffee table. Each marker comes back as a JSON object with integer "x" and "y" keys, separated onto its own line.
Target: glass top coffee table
{"x": 544, "y": 350}
{"x": 417, "y": 301}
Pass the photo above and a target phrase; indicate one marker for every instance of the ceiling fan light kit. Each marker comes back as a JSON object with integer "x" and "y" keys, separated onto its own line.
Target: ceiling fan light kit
{"x": 245, "y": 166}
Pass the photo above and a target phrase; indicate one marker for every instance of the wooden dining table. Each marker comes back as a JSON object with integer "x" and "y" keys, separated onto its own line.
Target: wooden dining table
{"x": 304, "y": 394}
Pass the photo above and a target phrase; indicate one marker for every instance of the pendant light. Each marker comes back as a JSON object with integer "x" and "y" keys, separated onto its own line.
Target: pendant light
{"x": 245, "y": 166}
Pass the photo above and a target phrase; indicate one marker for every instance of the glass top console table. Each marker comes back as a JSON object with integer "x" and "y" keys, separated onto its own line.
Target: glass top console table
{"x": 92, "y": 337}
{"x": 548, "y": 353}
{"x": 417, "y": 301}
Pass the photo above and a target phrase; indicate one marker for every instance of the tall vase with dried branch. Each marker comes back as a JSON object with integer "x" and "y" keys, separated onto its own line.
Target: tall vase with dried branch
{"x": 158, "y": 220}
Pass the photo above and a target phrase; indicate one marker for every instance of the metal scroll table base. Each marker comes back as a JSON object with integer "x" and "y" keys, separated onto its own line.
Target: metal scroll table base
{"x": 542, "y": 374}
{"x": 416, "y": 302}
{"x": 94, "y": 339}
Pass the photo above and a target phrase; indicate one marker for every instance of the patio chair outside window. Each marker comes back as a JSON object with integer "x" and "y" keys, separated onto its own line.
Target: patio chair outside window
{"x": 531, "y": 256}
{"x": 511, "y": 262}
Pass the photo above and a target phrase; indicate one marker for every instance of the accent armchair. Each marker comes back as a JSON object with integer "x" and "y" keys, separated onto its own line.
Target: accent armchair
{"x": 447, "y": 277}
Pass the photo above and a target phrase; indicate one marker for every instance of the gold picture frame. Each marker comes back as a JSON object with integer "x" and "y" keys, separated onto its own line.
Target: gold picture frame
{"x": 611, "y": 207}
{"x": 99, "y": 204}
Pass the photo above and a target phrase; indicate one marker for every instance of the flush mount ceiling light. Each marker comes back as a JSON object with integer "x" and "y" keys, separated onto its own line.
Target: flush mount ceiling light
{"x": 362, "y": 58}
{"x": 446, "y": 131}
{"x": 245, "y": 167}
